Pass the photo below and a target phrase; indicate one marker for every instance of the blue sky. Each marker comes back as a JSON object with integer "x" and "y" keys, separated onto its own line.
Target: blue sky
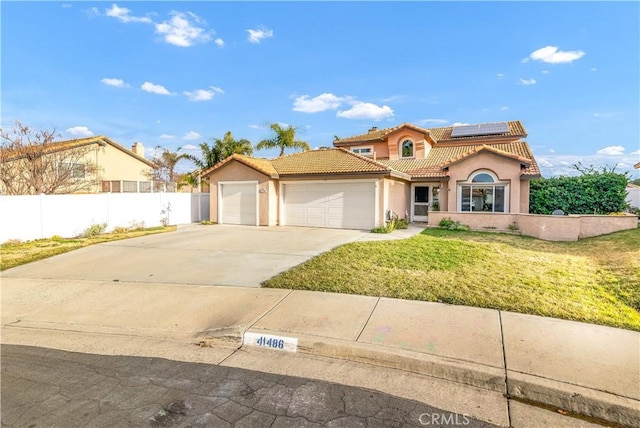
{"x": 175, "y": 74}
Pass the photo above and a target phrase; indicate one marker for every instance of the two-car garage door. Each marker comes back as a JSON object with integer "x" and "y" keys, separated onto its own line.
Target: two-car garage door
{"x": 340, "y": 205}
{"x": 343, "y": 205}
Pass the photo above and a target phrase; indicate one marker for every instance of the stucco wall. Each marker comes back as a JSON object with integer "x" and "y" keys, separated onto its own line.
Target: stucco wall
{"x": 420, "y": 146}
{"x": 507, "y": 170}
{"x": 633, "y": 196}
{"x": 236, "y": 171}
{"x": 397, "y": 197}
{"x": 546, "y": 227}
{"x": 117, "y": 165}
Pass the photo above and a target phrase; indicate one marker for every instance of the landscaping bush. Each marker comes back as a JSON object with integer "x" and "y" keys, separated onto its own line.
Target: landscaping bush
{"x": 402, "y": 224}
{"x": 593, "y": 192}
{"x": 379, "y": 229}
{"x": 448, "y": 224}
{"x": 94, "y": 230}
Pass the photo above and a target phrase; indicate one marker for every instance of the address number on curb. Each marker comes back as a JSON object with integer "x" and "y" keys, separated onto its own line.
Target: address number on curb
{"x": 279, "y": 343}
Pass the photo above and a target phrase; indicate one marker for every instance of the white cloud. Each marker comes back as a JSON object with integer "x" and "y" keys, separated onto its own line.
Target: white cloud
{"x": 544, "y": 163}
{"x": 460, "y": 124}
{"x": 504, "y": 108}
{"x": 362, "y": 110}
{"x": 527, "y": 82}
{"x": 219, "y": 42}
{"x": 257, "y": 127}
{"x": 66, "y": 5}
{"x": 181, "y": 31}
{"x": 322, "y": 102}
{"x": 122, "y": 14}
{"x": 191, "y": 135}
{"x": 189, "y": 147}
{"x": 611, "y": 151}
{"x": 118, "y": 83}
{"x": 167, "y": 136}
{"x": 499, "y": 75}
{"x": 154, "y": 89}
{"x": 434, "y": 121}
{"x": 80, "y": 131}
{"x": 545, "y": 72}
{"x": 203, "y": 94}
{"x": 256, "y": 36}
{"x": 551, "y": 151}
{"x": 552, "y": 55}
{"x": 593, "y": 69}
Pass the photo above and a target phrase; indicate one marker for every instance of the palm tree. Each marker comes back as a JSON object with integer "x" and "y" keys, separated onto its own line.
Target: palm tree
{"x": 220, "y": 150}
{"x": 166, "y": 164}
{"x": 285, "y": 138}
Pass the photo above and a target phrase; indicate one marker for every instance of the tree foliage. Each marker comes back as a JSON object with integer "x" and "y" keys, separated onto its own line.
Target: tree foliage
{"x": 32, "y": 162}
{"x": 594, "y": 191}
{"x": 166, "y": 161}
{"x": 285, "y": 138}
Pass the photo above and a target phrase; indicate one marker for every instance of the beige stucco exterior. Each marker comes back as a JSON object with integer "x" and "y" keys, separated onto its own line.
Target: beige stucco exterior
{"x": 116, "y": 164}
{"x": 546, "y": 227}
{"x": 267, "y": 191}
{"x": 505, "y": 169}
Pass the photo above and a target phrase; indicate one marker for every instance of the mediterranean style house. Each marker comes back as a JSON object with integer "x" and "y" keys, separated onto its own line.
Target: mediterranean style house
{"x": 404, "y": 170}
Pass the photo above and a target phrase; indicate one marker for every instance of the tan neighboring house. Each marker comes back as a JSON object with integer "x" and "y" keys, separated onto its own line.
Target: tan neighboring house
{"x": 405, "y": 170}
{"x": 637, "y": 166}
{"x": 104, "y": 164}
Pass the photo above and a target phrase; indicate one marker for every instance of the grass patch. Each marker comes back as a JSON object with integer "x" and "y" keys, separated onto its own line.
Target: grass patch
{"x": 16, "y": 253}
{"x": 594, "y": 280}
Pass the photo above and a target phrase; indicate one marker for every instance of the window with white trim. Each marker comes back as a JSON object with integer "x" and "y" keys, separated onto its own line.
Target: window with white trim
{"x": 407, "y": 149}
{"x": 363, "y": 151}
{"x": 483, "y": 193}
{"x": 72, "y": 170}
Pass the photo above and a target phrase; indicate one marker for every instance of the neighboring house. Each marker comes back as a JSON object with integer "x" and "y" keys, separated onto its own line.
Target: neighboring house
{"x": 96, "y": 164}
{"x": 406, "y": 170}
{"x": 637, "y": 166}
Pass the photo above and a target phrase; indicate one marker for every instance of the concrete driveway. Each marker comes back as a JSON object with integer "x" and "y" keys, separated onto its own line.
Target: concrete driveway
{"x": 194, "y": 254}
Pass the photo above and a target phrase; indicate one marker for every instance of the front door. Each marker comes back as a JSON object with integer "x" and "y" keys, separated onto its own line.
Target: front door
{"x": 419, "y": 202}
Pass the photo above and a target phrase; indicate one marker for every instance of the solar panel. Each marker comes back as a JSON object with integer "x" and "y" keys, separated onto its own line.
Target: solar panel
{"x": 481, "y": 129}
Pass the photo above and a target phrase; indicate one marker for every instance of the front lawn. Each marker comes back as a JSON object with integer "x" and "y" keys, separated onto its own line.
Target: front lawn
{"x": 16, "y": 253}
{"x": 595, "y": 280}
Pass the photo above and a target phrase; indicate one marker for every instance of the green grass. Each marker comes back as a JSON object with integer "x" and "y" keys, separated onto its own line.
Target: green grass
{"x": 594, "y": 280}
{"x": 14, "y": 253}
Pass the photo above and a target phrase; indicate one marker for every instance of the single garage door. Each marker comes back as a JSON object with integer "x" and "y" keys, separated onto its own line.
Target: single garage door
{"x": 238, "y": 203}
{"x": 342, "y": 205}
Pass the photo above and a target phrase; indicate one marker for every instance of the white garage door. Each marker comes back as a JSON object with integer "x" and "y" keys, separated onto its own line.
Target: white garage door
{"x": 238, "y": 203}
{"x": 338, "y": 205}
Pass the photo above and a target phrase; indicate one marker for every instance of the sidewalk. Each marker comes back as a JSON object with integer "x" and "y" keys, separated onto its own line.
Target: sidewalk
{"x": 587, "y": 369}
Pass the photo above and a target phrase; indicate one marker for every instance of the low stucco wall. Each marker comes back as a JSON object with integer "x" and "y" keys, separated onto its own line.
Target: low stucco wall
{"x": 546, "y": 227}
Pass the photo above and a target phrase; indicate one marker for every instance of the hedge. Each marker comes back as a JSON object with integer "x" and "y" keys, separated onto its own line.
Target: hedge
{"x": 593, "y": 192}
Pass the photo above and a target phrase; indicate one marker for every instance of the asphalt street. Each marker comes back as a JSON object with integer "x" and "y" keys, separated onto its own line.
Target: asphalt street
{"x": 51, "y": 388}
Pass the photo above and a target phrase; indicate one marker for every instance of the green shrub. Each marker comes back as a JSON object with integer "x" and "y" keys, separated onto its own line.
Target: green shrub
{"x": 94, "y": 230}
{"x": 57, "y": 238}
{"x": 206, "y": 222}
{"x": 593, "y": 192}
{"x": 402, "y": 224}
{"x": 379, "y": 229}
{"x": 448, "y": 224}
{"x": 120, "y": 229}
{"x": 513, "y": 226}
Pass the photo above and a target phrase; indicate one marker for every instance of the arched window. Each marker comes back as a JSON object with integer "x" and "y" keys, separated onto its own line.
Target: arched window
{"x": 406, "y": 149}
{"x": 483, "y": 192}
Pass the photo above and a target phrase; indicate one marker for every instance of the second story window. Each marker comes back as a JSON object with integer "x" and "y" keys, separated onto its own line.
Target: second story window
{"x": 363, "y": 151}
{"x": 406, "y": 149}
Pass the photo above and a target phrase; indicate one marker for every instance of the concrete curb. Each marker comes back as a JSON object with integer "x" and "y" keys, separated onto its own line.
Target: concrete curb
{"x": 579, "y": 400}
{"x": 576, "y": 399}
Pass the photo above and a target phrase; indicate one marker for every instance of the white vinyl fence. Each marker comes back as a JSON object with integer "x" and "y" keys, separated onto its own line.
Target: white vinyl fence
{"x": 633, "y": 196}
{"x": 42, "y": 216}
